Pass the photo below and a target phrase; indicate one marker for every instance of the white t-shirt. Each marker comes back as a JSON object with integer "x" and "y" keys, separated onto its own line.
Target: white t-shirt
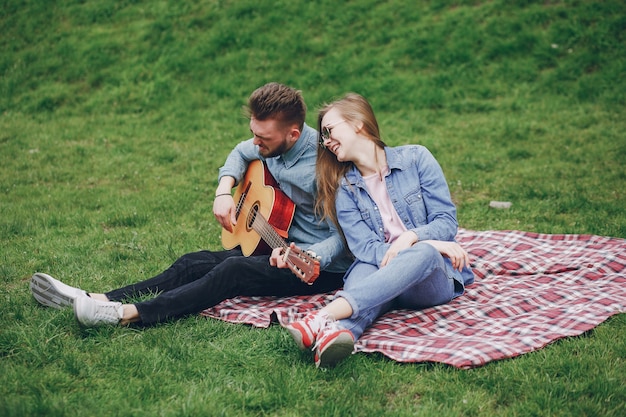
{"x": 391, "y": 221}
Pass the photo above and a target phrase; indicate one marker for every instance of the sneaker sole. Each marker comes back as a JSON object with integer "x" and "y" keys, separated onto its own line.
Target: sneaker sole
{"x": 47, "y": 294}
{"x": 337, "y": 351}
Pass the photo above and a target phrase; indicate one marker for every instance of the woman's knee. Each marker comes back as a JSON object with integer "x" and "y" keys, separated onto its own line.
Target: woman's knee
{"x": 435, "y": 289}
{"x": 424, "y": 250}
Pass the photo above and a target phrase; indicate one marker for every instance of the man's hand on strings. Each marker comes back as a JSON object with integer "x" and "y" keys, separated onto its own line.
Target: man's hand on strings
{"x": 223, "y": 203}
{"x": 224, "y": 211}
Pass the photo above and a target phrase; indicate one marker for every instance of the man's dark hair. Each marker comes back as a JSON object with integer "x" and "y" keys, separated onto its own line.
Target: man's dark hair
{"x": 279, "y": 102}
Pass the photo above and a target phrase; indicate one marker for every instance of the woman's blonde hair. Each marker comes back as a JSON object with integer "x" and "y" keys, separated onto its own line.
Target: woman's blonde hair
{"x": 355, "y": 110}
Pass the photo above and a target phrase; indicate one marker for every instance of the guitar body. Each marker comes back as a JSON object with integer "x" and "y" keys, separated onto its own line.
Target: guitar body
{"x": 258, "y": 193}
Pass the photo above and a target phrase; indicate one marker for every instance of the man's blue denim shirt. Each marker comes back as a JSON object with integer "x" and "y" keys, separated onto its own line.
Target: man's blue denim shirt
{"x": 295, "y": 173}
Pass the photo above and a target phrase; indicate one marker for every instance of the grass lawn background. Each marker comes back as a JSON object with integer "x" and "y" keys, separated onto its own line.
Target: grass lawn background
{"x": 116, "y": 115}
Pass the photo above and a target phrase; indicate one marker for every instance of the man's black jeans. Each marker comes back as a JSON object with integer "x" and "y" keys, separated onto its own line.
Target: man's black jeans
{"x": 199, "y": 280}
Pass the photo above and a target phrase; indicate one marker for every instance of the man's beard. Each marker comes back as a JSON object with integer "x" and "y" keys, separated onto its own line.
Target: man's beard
{"x": 266, "y": 153}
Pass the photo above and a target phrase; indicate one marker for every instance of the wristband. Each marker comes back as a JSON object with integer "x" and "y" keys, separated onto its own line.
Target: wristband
{"x": 219, "y": 195}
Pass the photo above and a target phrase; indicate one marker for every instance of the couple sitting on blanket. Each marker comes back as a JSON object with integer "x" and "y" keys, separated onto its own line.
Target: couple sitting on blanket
{"x": 391, "y": 206}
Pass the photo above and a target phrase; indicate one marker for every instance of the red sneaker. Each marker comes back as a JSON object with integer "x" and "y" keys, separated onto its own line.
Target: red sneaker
{"x": 333, "y": 345}
{"x": 305, "y": 331}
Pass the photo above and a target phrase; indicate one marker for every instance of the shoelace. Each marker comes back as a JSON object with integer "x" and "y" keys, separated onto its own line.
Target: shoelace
{"x": 329, "y": 328}
{"x": 319, "y": 321}
{"x": 109, "y": 312}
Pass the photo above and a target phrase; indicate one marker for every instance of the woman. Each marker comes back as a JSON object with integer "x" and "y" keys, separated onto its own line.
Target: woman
{"x": 394, "y": 208}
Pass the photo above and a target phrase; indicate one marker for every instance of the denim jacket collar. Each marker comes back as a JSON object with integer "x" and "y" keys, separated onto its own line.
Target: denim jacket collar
{"x": 291, "y": 157}
{"x": 394, "y": 161}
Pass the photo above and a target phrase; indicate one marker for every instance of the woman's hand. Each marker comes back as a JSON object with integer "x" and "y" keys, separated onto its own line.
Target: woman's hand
{"x": 404, "y": 241}
{"x": 452, "y": 250}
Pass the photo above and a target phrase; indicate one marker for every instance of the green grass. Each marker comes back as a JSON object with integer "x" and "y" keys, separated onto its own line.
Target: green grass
{"x": 116, "y": 115}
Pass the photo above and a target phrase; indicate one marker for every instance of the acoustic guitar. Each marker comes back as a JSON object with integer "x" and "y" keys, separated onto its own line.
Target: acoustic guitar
{"x": 264, "y": 214}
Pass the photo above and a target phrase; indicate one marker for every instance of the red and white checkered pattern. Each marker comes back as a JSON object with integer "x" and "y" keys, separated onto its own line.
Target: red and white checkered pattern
{"x": 531, "y": 289}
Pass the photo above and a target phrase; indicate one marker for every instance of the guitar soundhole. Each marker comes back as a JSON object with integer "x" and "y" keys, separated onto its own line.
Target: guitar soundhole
{"x": 252, "y": 216}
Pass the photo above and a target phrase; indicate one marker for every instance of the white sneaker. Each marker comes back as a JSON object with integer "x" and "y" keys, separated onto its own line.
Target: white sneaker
{"x": 90, "y": 312}
{"x": 52, "y": 292}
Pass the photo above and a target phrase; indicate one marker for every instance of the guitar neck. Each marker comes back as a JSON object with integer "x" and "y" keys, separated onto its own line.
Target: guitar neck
{"x": 301, "y": 264}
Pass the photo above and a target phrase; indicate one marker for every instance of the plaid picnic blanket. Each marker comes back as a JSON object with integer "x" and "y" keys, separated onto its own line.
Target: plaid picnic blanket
{"x": 530, "y": 290}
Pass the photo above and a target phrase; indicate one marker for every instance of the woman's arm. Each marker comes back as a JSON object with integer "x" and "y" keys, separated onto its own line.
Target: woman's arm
{"x": 441, "y": 221}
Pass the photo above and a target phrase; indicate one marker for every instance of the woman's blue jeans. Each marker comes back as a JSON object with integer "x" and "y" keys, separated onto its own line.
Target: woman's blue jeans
{"x": 416, "y": 278}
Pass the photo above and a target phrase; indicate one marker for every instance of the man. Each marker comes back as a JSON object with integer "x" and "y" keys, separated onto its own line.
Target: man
{"x": 200, "y": 280}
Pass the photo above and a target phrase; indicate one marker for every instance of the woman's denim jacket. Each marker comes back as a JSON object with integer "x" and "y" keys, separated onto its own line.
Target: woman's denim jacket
{"x": 419, "y": 193}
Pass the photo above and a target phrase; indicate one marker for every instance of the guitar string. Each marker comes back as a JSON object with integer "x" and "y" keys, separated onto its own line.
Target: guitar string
{"x": 264, "y": 226}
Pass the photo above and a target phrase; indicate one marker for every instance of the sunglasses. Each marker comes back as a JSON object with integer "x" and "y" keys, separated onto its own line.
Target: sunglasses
{"x": 326, "y": 131}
